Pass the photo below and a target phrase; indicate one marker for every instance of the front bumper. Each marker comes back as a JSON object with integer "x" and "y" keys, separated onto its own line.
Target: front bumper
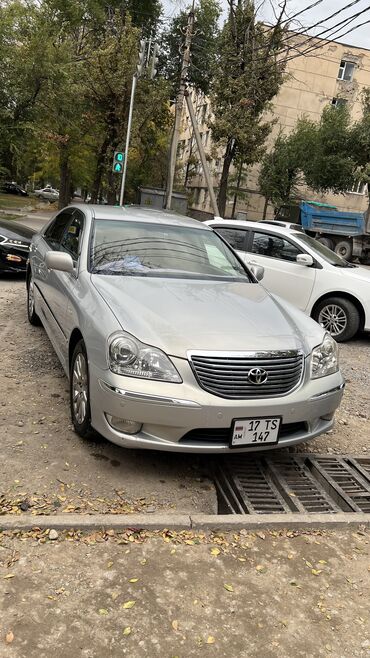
{"x": 169, "y": 412}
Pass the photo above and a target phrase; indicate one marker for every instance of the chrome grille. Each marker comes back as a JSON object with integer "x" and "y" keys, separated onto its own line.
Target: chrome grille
{"x": 229, "y": 375}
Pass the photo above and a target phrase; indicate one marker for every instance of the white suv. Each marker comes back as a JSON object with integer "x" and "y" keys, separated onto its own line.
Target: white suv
{"x": 304, "y": 272}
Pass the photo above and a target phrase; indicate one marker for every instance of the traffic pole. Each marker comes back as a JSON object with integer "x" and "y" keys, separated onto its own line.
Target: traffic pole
{"x": 128, "y": 134}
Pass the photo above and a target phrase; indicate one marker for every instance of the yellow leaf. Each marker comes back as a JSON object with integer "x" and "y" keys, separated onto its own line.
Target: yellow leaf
{"x": 9, "y": 637}
{"x": 9, "y": 575}
{"x": 127, "y": 630}
{"x": 109, "y": 565}
{"x": 144, "y": 561}
{"x": 115, "y": 596}
{"x": 133, "y": 580}
{"x": 316, "y": 572}
{"x": 210, "y": 639}
{"x": 189, "y": 541}
{"x": 323, "y": 562}
{"x": 309, "y": 564}
{"x": 175, "y": 625}
{"x": 260, "y": 568}
{"x": 172, "y": 551}
{"x": 229, "y": 588}
{"x": 128, "y": 604}
{"x": 242, "y": 559}
{"x": 215, "y": 551}
{"x": 103, "y": 612}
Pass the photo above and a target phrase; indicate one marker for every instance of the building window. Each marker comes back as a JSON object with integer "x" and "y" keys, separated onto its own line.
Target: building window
{"x": 358, "y": 187}
{"x": 339, "y": 102}
{"x": 346, "y": 70}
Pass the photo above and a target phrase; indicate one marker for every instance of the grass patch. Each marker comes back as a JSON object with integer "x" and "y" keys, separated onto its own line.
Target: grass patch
{"x": 13, "y": 202}
{"x": 9, "y": 217}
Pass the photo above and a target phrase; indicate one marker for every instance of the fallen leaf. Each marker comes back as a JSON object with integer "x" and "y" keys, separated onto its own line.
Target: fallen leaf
{"x": 323, "y": 562}
{"x": 103, "y": 611}
{"x": 115, "y": 596}
{"x": 9, "y": 575}
{"x": 229, "y": 588}
{"x": 308, "y": 564}
{"x": 9, "y": 637}
{"x": 175, "y": 625}
{"x": 127, "y": 630}
{"x": 144, "y": 561}
{"x": 316, "y": 572}
{"x": 261, "y": 535}
{"x": 260, "y": 568}
{"x": 210, "y": 639}
{"x": 133, "y": 580}
{"x": 190, "y": 542}
{"x": 109, "y": 565}
{"x": 128, "y": 604}
{"x": 215, "y": 551}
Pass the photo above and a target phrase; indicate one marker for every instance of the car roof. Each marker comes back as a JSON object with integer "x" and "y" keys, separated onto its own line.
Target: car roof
{"x": 140, "y": 214}
{"x": 235, "y": 223}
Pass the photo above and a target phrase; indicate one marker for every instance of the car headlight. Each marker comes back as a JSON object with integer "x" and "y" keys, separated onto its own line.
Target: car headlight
{"x": 128, "y": 356}
{"x": 324, "y": 358}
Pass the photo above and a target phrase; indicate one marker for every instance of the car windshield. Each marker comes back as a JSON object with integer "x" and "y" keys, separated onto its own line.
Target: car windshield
{"x": 323, "y": 251}
{"x": 125, "y": 248}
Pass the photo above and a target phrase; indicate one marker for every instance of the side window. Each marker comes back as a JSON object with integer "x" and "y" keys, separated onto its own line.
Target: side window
{"x": 53, "y": 235}
{"x": 234, "y": 236}
{"x": 72, "y": 235}
{"x": 274, "y": 246}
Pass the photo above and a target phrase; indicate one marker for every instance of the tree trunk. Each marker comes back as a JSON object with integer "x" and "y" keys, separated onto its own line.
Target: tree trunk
{"x": 265, "y": 208}
{"x": 64, "y": 191}
{"x": 237, "y": 189}
{"x": 99, "y": 169}
{"x": 222, "y": 194}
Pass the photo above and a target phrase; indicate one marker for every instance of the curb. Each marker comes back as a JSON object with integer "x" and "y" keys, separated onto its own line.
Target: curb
{"x": 197, "y": 522}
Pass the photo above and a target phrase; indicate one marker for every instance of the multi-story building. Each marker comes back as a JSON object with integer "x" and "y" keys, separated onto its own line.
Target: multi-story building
{"x": 334, "y": 73}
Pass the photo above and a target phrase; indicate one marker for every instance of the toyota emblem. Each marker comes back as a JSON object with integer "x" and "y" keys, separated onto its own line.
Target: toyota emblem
{"x": 257, "y": 376}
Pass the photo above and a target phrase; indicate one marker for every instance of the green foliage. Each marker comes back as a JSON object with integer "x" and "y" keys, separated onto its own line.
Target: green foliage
{"x": 280, "y": 171}
{"x": 248, "y": 75}
{"x": 204, "y": 46}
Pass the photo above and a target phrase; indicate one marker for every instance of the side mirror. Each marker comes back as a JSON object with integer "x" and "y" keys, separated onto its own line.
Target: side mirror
{"x": 60, "y": 261}
{"x": 305, "y": 259}
{"x": 258, "y": 271}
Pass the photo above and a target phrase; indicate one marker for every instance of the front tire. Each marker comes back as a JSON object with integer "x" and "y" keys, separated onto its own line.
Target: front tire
{"x": 339, "y": 316}
{"x": 80, "y": 392}
{"x": 33, "y": 318}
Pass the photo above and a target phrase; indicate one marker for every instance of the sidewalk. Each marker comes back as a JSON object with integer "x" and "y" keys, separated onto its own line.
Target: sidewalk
{"x": 265, "y": 595}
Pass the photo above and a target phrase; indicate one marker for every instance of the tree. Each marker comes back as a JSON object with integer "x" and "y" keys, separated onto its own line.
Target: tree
{"x": 203, "y": 50}
{"x": 250, "y": 69}
{"x": 359, "y": 141}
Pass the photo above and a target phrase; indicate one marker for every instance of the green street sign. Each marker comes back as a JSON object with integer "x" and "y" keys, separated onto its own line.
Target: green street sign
{"x": 118, "y": 160}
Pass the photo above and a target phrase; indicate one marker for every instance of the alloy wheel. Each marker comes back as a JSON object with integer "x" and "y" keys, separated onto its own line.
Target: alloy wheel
{"x": 333, "y": 318}
{"x": 79, "y": 388}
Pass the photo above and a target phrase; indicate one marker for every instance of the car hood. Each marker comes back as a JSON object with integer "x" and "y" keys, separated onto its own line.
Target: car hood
{"x": 15, "y": 231}
{"x": 179, "y": 315}
{"x": 360, "y": 273}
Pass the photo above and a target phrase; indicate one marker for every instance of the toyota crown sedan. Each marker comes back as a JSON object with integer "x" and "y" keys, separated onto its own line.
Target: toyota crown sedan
{"x": 169, "y": 341}
{"x": 304, "y": 272}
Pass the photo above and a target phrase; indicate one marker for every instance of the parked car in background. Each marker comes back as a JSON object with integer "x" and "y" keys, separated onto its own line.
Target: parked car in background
{"x": 7, "y": 187}
{"x": 306, "y": 273}
{"x": 48, "y": 193}
{"x": 169, "y": 341}
{"x": 15, "y": 243}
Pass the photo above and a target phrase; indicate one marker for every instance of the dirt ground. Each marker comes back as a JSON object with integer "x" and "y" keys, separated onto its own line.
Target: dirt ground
{"x": 46, "y": 468}
{"x": 264, "y": 595}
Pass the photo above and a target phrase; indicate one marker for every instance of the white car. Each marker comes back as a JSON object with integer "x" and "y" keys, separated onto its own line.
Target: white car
{"x": 304, "y": 272}
{"x": 48, "y": 193}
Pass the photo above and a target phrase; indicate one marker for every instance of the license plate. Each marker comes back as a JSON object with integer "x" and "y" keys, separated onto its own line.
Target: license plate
{"x": 255, "y": 431}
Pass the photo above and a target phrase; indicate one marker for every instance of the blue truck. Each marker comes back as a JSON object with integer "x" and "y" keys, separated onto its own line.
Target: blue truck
{"x": 346, "y": 233}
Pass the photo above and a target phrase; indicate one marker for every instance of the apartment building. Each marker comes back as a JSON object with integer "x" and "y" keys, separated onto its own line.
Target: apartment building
{"x": 334, "y": 73}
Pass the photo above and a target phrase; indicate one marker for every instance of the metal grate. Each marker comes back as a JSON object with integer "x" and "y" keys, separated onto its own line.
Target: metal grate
{"x": 248, "y": 375}
{"x": 299, "y": 483}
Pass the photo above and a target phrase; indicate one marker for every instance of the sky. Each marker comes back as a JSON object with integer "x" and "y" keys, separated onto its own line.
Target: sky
{"x": 359, "y": 37}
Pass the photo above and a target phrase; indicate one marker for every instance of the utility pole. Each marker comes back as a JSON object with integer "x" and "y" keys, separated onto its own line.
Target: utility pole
{"x": 202, "y": 154}
{"x": 179, "y": 106}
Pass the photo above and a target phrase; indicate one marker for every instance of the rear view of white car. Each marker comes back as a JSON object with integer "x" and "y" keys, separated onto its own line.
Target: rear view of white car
{"x": 304, "y": 272}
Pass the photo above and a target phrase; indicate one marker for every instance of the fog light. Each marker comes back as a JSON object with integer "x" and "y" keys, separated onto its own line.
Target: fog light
{"x": 13, "y": 258}
{"x": 124, "y": 425}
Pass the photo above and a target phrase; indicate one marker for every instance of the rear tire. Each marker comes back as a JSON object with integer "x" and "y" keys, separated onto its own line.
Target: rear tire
{"x": 327, "y": 242}
{"x": 339, "y": 317}
{"x": 33, "y": 318}
{"x": 344, "y": 249}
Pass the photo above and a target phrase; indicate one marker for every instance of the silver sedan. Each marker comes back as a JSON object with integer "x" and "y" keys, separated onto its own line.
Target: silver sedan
{"x": 168, "y": 339}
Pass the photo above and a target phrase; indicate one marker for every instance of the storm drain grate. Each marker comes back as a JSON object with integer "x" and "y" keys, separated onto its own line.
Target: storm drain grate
{"x": 299, "y": 483}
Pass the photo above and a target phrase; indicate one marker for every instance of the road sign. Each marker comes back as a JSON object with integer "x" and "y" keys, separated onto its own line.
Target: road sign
{"x": 118, "y": 160}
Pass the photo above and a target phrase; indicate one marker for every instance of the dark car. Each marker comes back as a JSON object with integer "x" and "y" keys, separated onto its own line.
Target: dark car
{"x": 15, "y": 242}
{"x": 12, "y": 188}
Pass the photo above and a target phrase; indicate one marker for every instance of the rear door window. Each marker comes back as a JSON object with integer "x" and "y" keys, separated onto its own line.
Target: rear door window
{"x": 236, "y": 237}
